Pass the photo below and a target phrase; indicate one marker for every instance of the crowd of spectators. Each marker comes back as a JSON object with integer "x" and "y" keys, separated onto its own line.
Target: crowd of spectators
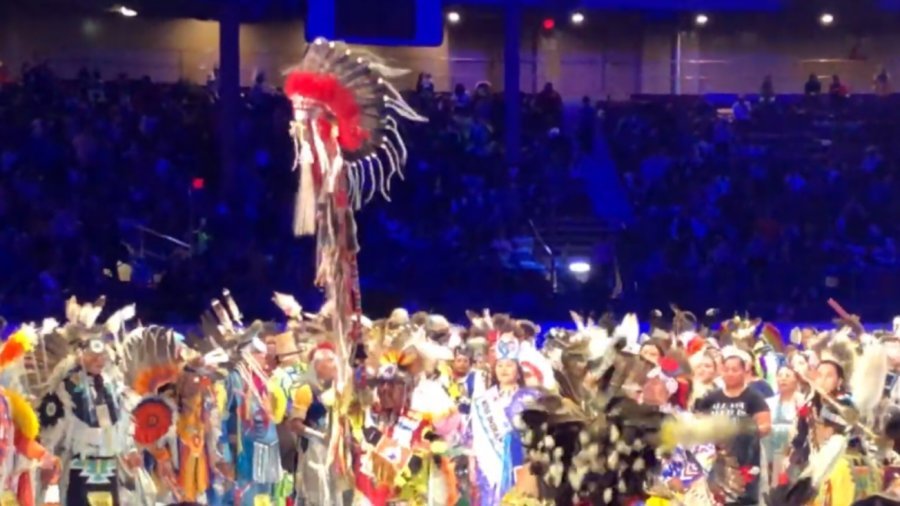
{"x": 94, "y": 171}
{"x": 772, "y": 206}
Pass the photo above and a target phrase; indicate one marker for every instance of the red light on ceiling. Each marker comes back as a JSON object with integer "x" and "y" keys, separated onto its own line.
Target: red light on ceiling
{"x": 548, "y": 24}
{"x": 198, "y": 183}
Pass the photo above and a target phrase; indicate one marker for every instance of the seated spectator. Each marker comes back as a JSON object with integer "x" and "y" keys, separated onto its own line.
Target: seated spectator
{"x": 741, "y": 109}
{"x": 461, "y": 97}
{"x": 425, "y": 85}
{"x": 4, "y": 74}
{"x": 813, "y": 86}
{"x": 587, "y": 118}
{"x": 549, "y": 104}
{"x": 882, "y": 82}
{"x": 767, "y": 91}
{"x": 261, "y": 88}
{"x": 837, "y": 89}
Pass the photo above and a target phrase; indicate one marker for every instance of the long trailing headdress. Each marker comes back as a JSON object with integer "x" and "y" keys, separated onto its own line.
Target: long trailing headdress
{"x": 347, "y": 143}
{"x": 345, "y": 128}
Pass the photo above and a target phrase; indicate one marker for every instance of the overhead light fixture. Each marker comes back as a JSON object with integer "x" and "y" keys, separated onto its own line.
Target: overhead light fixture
{"x": 125, "y": 11}
{"x": 453, "y": 17}
{"x": 577, "y": 18}
{"x": 701, "y": 19}
{"x": 826, "y": 19}
{"x": 579, "y": 267}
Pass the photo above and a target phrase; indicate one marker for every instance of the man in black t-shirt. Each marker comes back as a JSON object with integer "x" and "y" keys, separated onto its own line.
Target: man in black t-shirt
{"x": 739, "y": 402}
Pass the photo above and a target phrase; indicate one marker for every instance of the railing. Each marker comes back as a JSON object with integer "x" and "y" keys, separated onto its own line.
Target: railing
{"x": 144, "y": 233}
{"x": 554, "y": 276}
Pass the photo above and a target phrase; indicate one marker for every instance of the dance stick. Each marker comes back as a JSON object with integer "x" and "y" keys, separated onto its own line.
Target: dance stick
{"x": 851, "y": 320}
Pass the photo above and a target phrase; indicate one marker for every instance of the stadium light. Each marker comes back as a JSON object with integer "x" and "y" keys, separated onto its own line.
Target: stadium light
{"x": 453, "y": 17}
{"x": 701, "y": 19}
{"x": 579, "y": 267}
{"x": 826, "y": 19}
{"x": 577, "y": 18}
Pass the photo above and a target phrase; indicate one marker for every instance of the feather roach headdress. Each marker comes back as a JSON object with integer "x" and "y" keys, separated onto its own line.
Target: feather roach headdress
{"x": 345, "y": 126}
{"x": 55, "y": 351}
{"x": 223, "y": 327}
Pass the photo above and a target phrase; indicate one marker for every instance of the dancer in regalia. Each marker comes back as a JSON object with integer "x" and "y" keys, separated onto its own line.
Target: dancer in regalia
{"x": 250, "y": 424}
{"x": 82, "y": 408}
{"x": 316, "y": 483}
{"x": 402, "y": 452}
{"x": 496, "y": 445}
{"x": 20, "y": 452}
{"x": 254, "y": 406}
{"x": 176, "y": 420}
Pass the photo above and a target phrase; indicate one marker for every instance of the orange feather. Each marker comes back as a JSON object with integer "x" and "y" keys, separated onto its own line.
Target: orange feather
{"x": 16, "y": 346}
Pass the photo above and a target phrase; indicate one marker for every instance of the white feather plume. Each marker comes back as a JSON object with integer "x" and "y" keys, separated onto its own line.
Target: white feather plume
{"x": 73, "y": 310}
{"x": 599, "y": 342}
{"x": 287, "y": 304}
{"x": 629, "y": 329}
{"x": 90, "y": 313}
{"x": 869, "y": 376}
{"x": 579, "y": 321}
{"x": 115, "y": 322}
{"x": 48, "y": 326}
{"x": 796, "y": 335}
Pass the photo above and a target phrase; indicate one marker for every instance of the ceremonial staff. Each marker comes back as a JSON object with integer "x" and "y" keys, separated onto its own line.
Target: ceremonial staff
{"x": 347, "y": 147}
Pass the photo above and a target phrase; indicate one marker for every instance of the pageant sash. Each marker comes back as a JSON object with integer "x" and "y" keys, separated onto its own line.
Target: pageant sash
{"x": 490, "y": 426}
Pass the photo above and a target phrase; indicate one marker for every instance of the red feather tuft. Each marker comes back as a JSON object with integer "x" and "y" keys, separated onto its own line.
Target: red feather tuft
{"x": 695, "y": 345}
{"x": 747, "y": 475}
{"x": 11, "y": 351}
{"x": 668, "y": 365}
{"x": 338, "y": 99}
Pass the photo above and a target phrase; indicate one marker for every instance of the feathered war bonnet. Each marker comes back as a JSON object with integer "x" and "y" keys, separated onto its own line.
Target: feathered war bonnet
{"x": 152, "y": 359}
{"x": 345, "y": 128}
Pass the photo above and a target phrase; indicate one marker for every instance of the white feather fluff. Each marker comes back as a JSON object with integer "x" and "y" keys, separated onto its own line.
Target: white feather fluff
{"x": 822, "y": 462}
{"x": 287, "y": 304}
{"x": 48, "y": 326}
{"x": 629, "y": 329}
{"x": 796, "y": 335}
{"x": 869, "y": 377}
{"x": 72, "y": 310}
{"x": 579, "y": 321}
{"x": 599, "y": 343}
{"x": 115, "y": 322}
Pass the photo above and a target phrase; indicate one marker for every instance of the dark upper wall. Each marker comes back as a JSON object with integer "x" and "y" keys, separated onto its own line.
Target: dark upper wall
{"x": 611, "y": 54}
